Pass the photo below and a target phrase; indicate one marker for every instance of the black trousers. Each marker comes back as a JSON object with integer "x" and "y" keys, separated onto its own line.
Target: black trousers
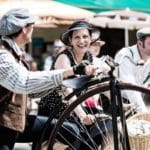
{"x": 33, "y": 131}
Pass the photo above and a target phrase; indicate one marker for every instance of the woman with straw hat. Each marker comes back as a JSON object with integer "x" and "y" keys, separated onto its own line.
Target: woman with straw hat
{"x": 78, "y": 39}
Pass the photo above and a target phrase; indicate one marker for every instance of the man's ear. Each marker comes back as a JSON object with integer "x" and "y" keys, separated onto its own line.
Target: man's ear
{"x": 140, "y": 43}
{"x": 24, "y": 30}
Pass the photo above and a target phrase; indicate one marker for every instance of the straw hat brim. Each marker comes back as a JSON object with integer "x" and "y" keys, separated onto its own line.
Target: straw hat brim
{"x": 101, "y": 42}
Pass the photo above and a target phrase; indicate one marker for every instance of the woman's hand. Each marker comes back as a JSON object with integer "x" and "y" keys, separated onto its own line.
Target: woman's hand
{"x": 88, "y": 119}
{"x": 90, "y": 70}
{"x": 84, "y": 68}
{"x": 102, "y": 67}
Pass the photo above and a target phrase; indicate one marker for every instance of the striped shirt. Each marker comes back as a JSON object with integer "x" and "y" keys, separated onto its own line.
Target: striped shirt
{"x": 15, "y": 77}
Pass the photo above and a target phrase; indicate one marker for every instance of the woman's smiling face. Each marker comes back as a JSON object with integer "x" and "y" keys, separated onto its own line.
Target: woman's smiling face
{"x": 80, "y": 40}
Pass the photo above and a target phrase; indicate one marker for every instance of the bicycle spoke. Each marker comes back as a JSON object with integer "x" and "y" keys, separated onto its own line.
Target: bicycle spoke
{"x": 107, "y": 139}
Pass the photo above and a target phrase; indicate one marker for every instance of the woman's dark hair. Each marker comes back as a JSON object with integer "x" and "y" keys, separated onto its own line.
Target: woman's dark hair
{"x": 71, "y": 33}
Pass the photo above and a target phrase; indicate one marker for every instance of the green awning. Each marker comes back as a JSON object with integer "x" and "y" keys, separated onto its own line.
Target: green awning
{"x": 105, "y": 5}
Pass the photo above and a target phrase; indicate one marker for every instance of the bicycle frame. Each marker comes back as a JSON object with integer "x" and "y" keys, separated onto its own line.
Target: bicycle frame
{"x": 114, "y": 87}
{"x": 101, "y": 87}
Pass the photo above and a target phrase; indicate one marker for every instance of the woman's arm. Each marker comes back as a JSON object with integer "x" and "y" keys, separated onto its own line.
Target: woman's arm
{"x": 64, "y": 63}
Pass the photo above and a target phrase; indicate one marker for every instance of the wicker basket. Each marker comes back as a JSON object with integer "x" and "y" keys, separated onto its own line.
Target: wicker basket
{"x": 140, "y": 142}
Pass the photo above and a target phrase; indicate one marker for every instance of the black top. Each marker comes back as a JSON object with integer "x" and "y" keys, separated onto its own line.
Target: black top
{"x": 53, "y": 101}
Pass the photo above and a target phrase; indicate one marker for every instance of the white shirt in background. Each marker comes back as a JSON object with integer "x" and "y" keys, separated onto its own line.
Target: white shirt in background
{"x": 131, "y": 71}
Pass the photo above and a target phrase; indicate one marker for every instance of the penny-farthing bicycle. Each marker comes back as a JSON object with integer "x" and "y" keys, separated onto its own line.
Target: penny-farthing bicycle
{"x": 94, "y": 86}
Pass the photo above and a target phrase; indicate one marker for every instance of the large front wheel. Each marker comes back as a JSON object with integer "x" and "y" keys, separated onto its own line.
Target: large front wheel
{"x": 96, "y": 136}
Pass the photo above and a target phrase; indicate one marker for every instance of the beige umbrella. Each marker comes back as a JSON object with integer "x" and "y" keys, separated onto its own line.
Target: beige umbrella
{"x": 121, "y": 19}
{"x": 50, "y": 13}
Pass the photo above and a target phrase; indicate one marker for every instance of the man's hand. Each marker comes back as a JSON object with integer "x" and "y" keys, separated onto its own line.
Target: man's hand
{"x": 84, "y": 68}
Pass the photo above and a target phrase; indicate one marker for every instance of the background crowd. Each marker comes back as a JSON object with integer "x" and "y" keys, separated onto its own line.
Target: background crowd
{"x": 75, "y": 53}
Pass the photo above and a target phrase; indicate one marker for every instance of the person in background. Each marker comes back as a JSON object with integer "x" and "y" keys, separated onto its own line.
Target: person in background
{"x": 134, "y": 67}
{"x": 78, "y": 38}
{"x": 17, "y": 82}
{"x": 27, "y": 56}
{"x": 57, "y": 47}
{"x": 33, "y": 65}
{"x": 95, "y": 47}
{"x": 33, "y": 102}
{"x": 93, "y": 102}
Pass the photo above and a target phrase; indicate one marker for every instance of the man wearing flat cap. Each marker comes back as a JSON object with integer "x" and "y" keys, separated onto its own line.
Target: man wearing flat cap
{"x": 134, "y": 67}
{"x": 16, "y": 81}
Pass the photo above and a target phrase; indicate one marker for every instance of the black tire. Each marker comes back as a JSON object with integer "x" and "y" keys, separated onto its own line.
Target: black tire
{"x": 92, "y": 88}
{"x": 98, "y": 89}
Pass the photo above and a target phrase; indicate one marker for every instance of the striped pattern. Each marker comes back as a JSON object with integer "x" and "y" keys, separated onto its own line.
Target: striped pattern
{"x": 15, "y": 77}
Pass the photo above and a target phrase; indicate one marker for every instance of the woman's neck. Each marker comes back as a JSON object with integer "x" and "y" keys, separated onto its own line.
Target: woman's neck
{"x": 77, "y": 57}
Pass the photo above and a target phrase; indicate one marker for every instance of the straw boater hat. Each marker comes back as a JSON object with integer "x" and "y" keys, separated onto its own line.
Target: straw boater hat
{"x": 95, "y": 33}
{"x": 14, "y": 20}
{"x": 101, "y": 42}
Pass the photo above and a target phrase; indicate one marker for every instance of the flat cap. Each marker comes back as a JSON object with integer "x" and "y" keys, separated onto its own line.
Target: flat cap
{"x": 14, "y": 20}
{"x": 143, "y": 32}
